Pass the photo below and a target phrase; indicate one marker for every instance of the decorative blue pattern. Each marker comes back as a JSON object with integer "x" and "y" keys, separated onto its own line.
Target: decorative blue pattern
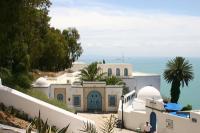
{"x": 94, "y": 101}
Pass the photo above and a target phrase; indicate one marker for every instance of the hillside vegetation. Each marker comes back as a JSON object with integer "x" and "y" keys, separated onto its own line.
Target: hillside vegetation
{"x": 28, "y": 42}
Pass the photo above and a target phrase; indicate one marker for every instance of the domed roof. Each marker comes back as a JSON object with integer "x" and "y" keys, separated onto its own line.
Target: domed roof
{"x": 42, "y": 82}
{"x": 148, "y": 92}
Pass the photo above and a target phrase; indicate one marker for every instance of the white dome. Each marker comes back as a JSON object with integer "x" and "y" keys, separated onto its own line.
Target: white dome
{"x": 148, "y": 92}
{"x": 42, "y": 82}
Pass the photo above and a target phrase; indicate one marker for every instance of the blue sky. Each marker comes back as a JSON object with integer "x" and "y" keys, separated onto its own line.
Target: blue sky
{"x": 132, "y": 27}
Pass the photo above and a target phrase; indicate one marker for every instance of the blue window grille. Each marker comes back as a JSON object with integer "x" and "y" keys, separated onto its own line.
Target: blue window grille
{"x": 60, "y": 97}
{"x": 125, "y": 72}
{"x": 77, "y": 101}
{"x": 109, "y": 72}
{"x": 117, "y": 72}
{"x": 112, "y": 100}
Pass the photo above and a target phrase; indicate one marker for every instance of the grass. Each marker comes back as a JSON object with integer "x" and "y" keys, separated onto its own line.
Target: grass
{"x": 40, "y": 95}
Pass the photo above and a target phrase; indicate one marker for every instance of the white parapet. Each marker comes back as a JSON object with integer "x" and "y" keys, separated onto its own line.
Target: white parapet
{"x": 0, "y": 82}
{"x": 56, "y": 116}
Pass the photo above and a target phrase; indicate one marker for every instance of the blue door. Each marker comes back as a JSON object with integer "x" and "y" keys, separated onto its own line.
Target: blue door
{"x": 94, "y": 101}
{"x": 153, "y": 121}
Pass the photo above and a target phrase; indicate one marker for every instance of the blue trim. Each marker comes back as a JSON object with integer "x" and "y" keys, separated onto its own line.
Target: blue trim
{"x": 153, "y": 121}
{"x": 94, "y": 101}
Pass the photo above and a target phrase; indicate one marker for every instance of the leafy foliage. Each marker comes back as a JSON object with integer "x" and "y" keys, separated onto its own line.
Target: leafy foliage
{"x": 15, "y": 112}
{"x": 43, "y": 127}
{"x": 92, "y": 73}
{"x": 113, "y": 80}
{"x": 89, "y": 128}
{"x": 15, "y": 80}
{"x": 109, "y": 125}
{"x": 178, "y": 72}
{"x": 43, "y": 97}
{"x": 28, "y": 42}
{"x": 187, "y": 108}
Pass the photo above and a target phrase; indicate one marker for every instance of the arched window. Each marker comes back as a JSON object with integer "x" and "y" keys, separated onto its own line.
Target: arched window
{"x": 125, "y": 72}
{"x": 109, "y": 72}
{"x": 60, "y": 97}
{"x": 117, "y": 72}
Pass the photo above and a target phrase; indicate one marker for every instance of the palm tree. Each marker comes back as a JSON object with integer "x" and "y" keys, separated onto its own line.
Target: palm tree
{"x": 178, "y": 72}
{"x": 113, "y": 80}
{"x": 92, "y": 73}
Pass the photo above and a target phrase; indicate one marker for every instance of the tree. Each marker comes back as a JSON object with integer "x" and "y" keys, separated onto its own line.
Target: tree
{"x": 75, "y": 50}
{"x": 113, "y": 80}
{"x": 54, "y": 52}
{"x": 28, "y": 42}
{"x": 21, "y": 26}
{"x": 178, "y": 72}
{"x": 92, "y": 73}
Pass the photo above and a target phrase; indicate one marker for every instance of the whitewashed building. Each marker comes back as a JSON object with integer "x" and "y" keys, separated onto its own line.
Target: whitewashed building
{"x": 91, "y": 96}
{"x": 147, "y": 105}
{"x": 86, "y": 96}
{"x": 134, "y": 80}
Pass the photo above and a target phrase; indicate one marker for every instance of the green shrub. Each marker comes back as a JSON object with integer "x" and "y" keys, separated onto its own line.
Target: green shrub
{"x": 2, "y": 107}
{"x": 23, "y": 81}
{"x": 13, "y": 111}
{"x": 18, "y": 81}
{"x": 6, "y": 77}
{"x": 43, "y": 127}
{"x": 40, "y": 95}
{"x": 187, "y": 108}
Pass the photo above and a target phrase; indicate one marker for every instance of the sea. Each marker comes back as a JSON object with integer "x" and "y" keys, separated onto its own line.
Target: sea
{"x": 189, "y": 95}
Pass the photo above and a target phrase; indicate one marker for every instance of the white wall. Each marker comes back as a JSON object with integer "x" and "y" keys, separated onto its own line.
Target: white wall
{"x": 134, "y": 120}
{"x": 137, "y": 119}
{"x": 56, "y": 116}
{"x": 138, "y": 82}
{"x": 180, "y": 124}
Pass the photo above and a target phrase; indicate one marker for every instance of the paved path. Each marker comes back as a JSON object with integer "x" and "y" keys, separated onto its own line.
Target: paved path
{"x": 99, "y": 120}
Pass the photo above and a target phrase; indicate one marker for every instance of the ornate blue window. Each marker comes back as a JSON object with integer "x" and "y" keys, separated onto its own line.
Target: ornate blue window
{"x": 117, "y": 72}
{"x": 77, "y": 100}
{"x": 60, "y": 97}
{"x": 125, "y": 72}
{"x": 109, "y": 72}
{"x": 112, "y": 100}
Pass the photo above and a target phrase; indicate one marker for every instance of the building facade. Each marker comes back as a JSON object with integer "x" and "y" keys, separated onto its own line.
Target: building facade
{"x": 134, "y": 80}
{"x": 94, "y": 96}
{"x": 147, "y": 105}
{"x": 88, "y": 96}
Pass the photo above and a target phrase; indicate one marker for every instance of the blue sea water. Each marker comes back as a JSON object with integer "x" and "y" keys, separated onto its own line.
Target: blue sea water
{"x": 189, "y": 95}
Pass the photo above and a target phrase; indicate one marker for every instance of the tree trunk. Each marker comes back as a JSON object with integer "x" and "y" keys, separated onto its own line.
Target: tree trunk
{"x": 175, "y": 91}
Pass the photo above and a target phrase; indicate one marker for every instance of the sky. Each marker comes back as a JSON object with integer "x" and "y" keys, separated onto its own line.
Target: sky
{"x": 132, "y": 28}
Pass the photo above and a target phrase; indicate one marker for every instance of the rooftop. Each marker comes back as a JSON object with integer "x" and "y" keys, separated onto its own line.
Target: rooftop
{"x": 144, "y": 74}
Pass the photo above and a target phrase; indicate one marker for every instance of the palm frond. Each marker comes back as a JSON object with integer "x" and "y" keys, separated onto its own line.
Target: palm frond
{"x": 109, "y": 125}
{"x": 89, "y": 128}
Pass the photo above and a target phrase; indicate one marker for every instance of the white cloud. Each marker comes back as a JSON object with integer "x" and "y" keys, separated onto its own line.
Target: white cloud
{"x": 133, "y": 33}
